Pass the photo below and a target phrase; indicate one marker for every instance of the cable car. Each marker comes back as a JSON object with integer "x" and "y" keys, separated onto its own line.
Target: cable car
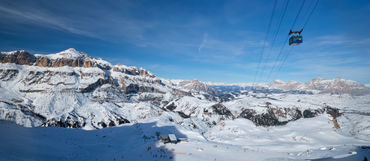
{"x": 296, "y": 39}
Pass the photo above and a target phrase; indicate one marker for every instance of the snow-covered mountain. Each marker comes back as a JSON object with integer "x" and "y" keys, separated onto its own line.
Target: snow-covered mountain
{"x": 334, "y": 86}
{"x": 72, "y": 89}
{"x": 316, "y": 85}
{"x": 292, "y": 85}
{"x": 197, "y": 86}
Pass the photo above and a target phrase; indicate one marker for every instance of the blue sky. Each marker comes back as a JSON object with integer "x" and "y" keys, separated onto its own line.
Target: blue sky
{"x": 218, "y": 41}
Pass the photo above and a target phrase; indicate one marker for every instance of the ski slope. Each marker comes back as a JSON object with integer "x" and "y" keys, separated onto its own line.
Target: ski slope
{"x": 305, "y": 139}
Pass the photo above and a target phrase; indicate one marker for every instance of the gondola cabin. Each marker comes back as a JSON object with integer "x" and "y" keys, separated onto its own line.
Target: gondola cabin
{"x": 295, "y": 40}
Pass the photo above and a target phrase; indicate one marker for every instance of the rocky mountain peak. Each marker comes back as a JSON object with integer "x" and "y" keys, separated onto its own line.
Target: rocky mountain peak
{"x": 316, "y": 82}
{"x": 291, "y": 85}
{"x": 70, "y": 53}
{"x": 196, "y": 81}
{"x": 277, "y": 81}
{"x": 317, "y": 79}
{"x": 198, "y": 86}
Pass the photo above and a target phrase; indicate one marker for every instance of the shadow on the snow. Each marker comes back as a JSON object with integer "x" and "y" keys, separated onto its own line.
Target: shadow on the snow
{"x": 130, "y": 142}
{"x": 363, "y": 154}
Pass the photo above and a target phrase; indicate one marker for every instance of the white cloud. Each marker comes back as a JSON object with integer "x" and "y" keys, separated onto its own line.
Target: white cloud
{"x": 204, "y": 41}
{"x": 43, "y": 19}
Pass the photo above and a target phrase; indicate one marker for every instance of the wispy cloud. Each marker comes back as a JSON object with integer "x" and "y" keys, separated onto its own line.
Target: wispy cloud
{"x": 43, "y": 19}
{"x": 331, "y": 40}
{"x": 203, "y": 35}
{"x": 122, "y": 24}
{"x": 342, "y": 40}
{"x": 204, "y": 41}
{"x": 79, "y": 19}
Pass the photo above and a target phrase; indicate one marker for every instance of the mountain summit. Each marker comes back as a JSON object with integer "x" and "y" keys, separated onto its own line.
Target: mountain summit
{"x": 70, "y": 53}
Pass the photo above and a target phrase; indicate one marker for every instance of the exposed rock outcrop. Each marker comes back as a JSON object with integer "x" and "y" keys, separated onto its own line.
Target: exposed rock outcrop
{"x": 8, "y": 74}
{"x": 134, "y": 88}
{"x": 264, "y": 119}
{"x": 98, "y": 83}
{"x": 311, "y": 113}
{"x": 222, "y": 110}
{"x": 68, "y": 123}
{"x": 197, "y": 86}
{"x": 171, "y": 106}
{"x": 18, "y": 57}
{"x": 334, "y": 112}
{"x": 25, "y": 58}
{"x": 132, "y": 71}
{"x": 272, "y": 115}
{"x": 74, "y": 121}
{"x": 183, "y": 115}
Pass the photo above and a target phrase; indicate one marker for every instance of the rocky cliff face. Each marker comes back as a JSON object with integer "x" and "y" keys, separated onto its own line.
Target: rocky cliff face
{"x": 25, "y": 58}
{"x": 132, "y": 71}
{"x": 337, "y": 86}
{"x": 197, "y": 86}
{"x": 278, "y": 84}
{"x": 72, "y": 89}
{"x": 281, "y": 116}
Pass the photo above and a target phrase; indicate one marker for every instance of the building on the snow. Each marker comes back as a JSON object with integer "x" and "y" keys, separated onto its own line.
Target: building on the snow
{"x": 172, "y": 138}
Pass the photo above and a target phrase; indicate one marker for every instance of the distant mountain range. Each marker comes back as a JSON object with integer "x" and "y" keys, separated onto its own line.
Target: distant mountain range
{"x": 316, "y": 85}
{"x": 335, "y": 86}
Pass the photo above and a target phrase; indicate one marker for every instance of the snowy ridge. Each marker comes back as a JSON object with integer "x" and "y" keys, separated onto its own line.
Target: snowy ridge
{"x": 12, "y": 52}
{"x": 70, "y": 53}
{"x": 237, "y": 84}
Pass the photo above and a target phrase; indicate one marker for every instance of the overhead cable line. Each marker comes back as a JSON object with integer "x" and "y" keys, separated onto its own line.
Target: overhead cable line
{"x": 278, "y": 58}
{"x": 264, "y": 42}
{"x": 288, "y": 53}
{"x": 309, "y": 16}
{"x": 279, "y": 25}
{"x": 299, "y": 13}
{"x": 275, "y": 35}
